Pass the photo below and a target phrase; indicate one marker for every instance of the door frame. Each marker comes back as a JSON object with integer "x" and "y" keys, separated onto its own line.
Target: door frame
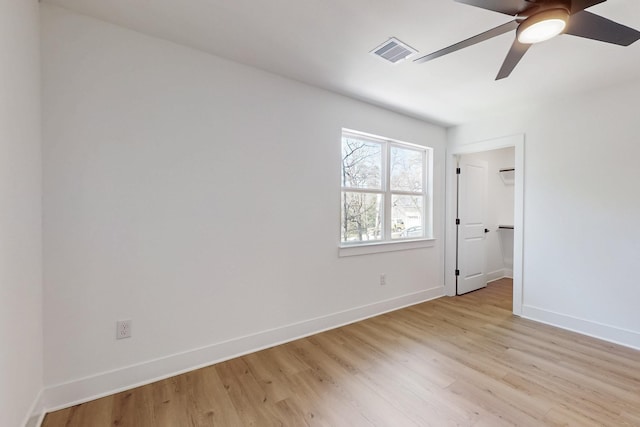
{"x": 516, "y": 141}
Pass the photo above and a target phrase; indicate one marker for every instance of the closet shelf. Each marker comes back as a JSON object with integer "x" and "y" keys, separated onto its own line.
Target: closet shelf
{"x": 508, "y": 175}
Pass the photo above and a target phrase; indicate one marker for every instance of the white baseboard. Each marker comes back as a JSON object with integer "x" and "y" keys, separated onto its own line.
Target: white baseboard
{"x": 499, "y": 274}
{"x": 82, "y": 390}
{"x": 34, "y": 415}
{"x": 35, "y": 420}
{"x": 495, "y": 275}
{"x": 613, "y": 334}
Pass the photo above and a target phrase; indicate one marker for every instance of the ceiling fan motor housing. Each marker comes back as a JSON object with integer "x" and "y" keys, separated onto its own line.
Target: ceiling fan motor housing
{"x": 538, "y": 6}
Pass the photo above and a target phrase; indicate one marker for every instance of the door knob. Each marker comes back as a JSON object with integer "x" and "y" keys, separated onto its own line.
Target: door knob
{"x": 486, "y": 230}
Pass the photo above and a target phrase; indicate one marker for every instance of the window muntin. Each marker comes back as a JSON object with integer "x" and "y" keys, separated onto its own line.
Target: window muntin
{"x": 384, "y": 190}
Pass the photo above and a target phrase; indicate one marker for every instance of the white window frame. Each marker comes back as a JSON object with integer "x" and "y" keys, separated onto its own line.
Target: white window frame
{"x": 386, "y": 243}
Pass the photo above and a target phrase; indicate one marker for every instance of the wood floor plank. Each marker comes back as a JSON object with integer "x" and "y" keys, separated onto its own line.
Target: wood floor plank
{"x": 463, "y": 361}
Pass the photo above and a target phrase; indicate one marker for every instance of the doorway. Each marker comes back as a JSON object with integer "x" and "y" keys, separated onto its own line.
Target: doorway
{"x": 517, "y": 175}
{"x": 485, "y": 187}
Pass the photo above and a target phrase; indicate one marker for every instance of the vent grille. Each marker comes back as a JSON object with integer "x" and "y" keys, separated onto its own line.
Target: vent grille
{"x": 393, "y": 50}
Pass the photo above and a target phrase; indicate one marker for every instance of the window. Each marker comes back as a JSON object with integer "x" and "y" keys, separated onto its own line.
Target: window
{"x": 384, "y": 190}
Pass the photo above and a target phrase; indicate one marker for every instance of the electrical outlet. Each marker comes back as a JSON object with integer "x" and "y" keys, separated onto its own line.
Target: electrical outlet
{"x": 123, "y": 329}
{"x": 383, "y": 279}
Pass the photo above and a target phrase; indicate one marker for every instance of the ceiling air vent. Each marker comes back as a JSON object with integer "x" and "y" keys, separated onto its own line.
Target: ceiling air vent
{"x": 393, "y": 50}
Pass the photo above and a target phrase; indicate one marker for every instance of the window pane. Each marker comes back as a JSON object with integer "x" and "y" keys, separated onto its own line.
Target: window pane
{"x": 407, "y": 167}
{"x": 361, "y": 163}
{"x": 406, "y": 217}
{"x": 361, "y": 216}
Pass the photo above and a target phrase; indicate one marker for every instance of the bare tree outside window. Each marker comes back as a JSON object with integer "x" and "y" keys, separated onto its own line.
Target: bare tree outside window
{"x": 406, "y": 169}
{"x": 383, "y": 189}
{"x": 361, "y": 169}
{"x": 361, "y": 164}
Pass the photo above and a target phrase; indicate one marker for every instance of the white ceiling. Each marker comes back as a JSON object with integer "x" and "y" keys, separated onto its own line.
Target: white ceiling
{"x": 326, "y": 43}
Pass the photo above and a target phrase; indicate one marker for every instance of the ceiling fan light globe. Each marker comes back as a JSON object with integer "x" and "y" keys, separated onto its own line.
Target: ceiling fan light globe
{"x": 542, "y": 31}
{"x": 543, "y": 26}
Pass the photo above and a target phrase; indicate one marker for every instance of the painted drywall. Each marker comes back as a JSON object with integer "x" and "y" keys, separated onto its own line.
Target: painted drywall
{"x": 500, "y": 202}
{"x": 580, "y": 209}
{"x": 20, "y": 212}
{"x": 199, "y": 198}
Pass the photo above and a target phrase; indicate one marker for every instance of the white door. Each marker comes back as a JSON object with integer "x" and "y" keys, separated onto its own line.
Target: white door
{"x": 472, "y": 208}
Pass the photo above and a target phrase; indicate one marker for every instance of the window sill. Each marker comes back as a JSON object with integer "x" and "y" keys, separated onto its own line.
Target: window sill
{"x": 379, "y": 247}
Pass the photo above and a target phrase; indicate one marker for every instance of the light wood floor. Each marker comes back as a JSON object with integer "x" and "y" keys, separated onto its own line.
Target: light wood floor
{"x": 462, "y": 361}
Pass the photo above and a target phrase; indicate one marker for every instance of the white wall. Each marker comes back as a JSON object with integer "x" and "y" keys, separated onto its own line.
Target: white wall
{"x": 20, "y": 212}
{"x": 500, "y": 205}
{"x": 581, "y": 234}
{"x": 199, "y": 198}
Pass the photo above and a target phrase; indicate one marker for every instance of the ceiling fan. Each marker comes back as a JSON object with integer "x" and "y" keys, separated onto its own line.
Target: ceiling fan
{"x": 540, "y": 20}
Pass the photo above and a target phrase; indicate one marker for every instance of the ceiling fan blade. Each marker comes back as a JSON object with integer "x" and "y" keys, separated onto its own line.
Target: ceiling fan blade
{"x": 591, "y": 26}
{"x": 508, "y": 7}
{"x": 504, "y": 28}
{"x": 578, "y": 5}
{"x": 514, "y": 56}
